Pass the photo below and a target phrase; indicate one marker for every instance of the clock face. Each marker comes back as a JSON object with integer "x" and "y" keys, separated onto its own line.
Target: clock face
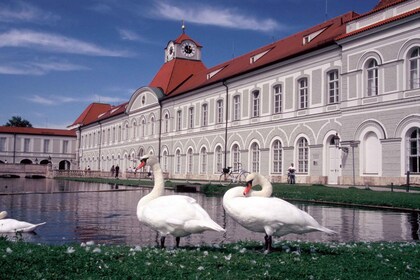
{"x": 170, "y": 51}
{"x": 188, "y": 49}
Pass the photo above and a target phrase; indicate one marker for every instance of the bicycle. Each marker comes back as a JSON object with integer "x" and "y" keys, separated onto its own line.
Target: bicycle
{"x": 229, "y": 176}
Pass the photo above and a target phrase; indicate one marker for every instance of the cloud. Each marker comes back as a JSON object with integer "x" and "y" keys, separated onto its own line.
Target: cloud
{"x": 39, "y": 68}
{"x": 24, "y": 12}
{"x": 129, "y": 35}
{"x": 207, "y": 15}
{"x": 54, "y": 43}
{"x": 54, "y": 100}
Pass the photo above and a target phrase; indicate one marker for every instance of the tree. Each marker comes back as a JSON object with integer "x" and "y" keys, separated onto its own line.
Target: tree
{"x": 17, "y": 121}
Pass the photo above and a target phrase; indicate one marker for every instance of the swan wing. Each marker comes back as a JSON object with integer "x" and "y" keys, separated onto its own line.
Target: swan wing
{"x": 12, "y": 225}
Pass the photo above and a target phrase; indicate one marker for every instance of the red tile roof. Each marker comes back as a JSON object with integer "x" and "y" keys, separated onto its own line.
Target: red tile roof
{"x": 275, "y": 52}
{"x": 184, "y": 37}
{"x": 91, "y": 113}
{"x": 37, "y": 131}
{"x": 380, "y": 23}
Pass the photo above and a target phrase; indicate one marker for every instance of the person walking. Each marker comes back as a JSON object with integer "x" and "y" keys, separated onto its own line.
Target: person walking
{"x": 291, "y": 174}
{"x": 117, "y": 170}
{"x": 112, "y": 170}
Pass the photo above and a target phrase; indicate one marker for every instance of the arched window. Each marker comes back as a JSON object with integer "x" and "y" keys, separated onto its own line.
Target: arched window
{"x": 236, "y": 157}
{"x": 333, "y": 87}
{"x": 277, "y": 155}
{"x": 179, "y": 120}
{"x": 277, "y": 98}
{"x": 190, "y": 161}
{"x": 152, "y": 126}
{"x": 165, "y": 161}
{"x": 143, "y": 128}
{"x": 414, "y": 62}
{"x": 166, "y": 123}
{"x": 178, "y": 162}
{"x": 119, "y": 133}
{"x": 303, "y": 93}
{"x": 203, "y": 160}
{"x": 303, "y": 155}
{"x": 134, "y": 129}
{"x": 414, "y": 148}
{"x": 371, "y": 154}
{"x": 255, "y": 103}
{"x": 126, "y": 137}
{"x": 255, "y": 157}
{"x": 219, "y": 159}
{"x": 372, "y": 77}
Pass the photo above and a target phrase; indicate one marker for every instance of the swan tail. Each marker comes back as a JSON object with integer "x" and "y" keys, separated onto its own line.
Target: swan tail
{"x": 3, "y": 214}
{"x": 326, "y": 230}
{"x": 197, "y": 226}
{"x": 31, "y": 228}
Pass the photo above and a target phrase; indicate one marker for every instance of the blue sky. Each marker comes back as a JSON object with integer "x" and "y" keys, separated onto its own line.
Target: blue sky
{"x": 57, "y": 56}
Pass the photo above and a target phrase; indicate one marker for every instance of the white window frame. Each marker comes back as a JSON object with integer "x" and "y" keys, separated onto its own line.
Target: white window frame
{"x": 372, "y": 77}
{"x": 219, "y": 111}
{"x": 277, "y": 98}
{"x": 237, "y": 107}
{"x": 333, "y": 86}
{"x": 303, "y": 93}
{"x": 414, "y": 68}
{"x": 256, "y": 100}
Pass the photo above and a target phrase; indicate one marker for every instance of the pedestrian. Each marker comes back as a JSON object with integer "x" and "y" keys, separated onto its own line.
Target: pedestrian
{"x": 117, "y": 170}
{"x": 291, "y": 174}
{"x": 112, "y": 170}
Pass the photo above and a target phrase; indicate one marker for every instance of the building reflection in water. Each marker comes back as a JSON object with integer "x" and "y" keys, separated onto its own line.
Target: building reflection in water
{"x": 78, "y": 212}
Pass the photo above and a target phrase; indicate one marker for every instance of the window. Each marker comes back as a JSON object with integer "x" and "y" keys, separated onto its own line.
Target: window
{"x": 178, "y": 120}
{"x": 2, "y": 144}
{"x": 278, "y": 98}
{"x": 303, "y": 93}
{"x": 203, "y": 157}
{"x": 152, "y": 126}
{"x": 190, "y": 161}
{"x": 333, "y": 91}
{"x": 255, "y": 103}
{"x": 143, "y": 127}
{"x": 126, "y": 137}
{"x": 166, "y": 123}
{"x": 219, "y": 159}
{"x": 255, "y": 157}
{"x": 219, "y": 113}
{"x": 414, "y": 62}
{"x": 372, "y": 78}
{"x": 204, "y": 114}
{"x": 236, "y": 108}
{"x": 134, "y": 130}
{"x": 26, "y": 143}
{"x": 191, "y": 117}
{"x": 165, "y": 161}
{"x": 109, "y": 135}
{"x": 236, "y": 156}
{"x": 119, "y": 133}
{"x": 46, "y": 145}
{"x": 414, "y": 151}
{"x": 303, "y": 155}
{"x": 178, "y": 162}
{"x": 65, "y": 146}
{"x": 114, "y": 135}
{"x": 277, "y": 154}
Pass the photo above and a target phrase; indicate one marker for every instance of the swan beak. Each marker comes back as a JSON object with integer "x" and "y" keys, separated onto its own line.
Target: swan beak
{"x": 248, "y": 188}
{"x": 142, "y": 164}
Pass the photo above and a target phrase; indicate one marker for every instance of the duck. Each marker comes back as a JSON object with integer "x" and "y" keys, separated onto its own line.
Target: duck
{"x": 12, "y": 225}
{"x": 176, "y": 215}
{"x": 257, "y": 211}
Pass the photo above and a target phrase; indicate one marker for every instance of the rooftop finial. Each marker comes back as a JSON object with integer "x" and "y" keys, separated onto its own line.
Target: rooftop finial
{"x": 183, "y": 27}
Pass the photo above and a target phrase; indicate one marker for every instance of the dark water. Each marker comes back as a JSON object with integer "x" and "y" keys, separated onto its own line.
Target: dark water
{"x": 78, "y": 212}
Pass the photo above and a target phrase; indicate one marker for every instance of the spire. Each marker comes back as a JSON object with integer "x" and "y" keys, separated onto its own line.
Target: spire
{"x": 183, "y": 27}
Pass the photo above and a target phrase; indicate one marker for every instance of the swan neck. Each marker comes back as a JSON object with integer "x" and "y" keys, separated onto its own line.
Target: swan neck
{"x": 158, "y": 187}
{"x": 266, "y": 188}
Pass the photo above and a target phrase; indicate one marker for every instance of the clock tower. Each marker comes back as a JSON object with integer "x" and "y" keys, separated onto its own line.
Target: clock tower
{"x": 183, "y": 48}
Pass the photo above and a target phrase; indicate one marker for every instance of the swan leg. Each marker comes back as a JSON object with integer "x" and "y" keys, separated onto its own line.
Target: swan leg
{"x": 268, "y": 247}
{"x": 177, "y": 241}
{"x": 162, "y": 242}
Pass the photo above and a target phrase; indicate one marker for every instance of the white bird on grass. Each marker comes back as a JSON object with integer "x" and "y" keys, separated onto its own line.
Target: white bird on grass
{"x": 258, "y": 212}
{"x": 12, "y": 225}
{"x": 177, "y": 215}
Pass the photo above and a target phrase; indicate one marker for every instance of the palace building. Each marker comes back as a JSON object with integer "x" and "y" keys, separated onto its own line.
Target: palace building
{"x": 340, "y": 100}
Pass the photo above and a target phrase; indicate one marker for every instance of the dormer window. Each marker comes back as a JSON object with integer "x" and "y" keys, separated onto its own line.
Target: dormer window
{"x": 254, "y": 58}
{"x": 308, "y": 38}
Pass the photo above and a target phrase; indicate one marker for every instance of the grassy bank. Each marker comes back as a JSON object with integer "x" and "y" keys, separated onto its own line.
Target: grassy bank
{"x": 315, "y": 193}
{"x": 293, "y": 260}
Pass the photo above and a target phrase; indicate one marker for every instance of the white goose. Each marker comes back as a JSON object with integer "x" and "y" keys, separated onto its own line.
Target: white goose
{"x": 258, "y": 212}
{"x": 178, "y": 215}
{"x": 12, "y": 225}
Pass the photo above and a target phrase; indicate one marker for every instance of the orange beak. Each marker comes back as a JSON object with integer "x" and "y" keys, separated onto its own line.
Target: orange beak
{"x": 141, "y": 165}
{"x": 248, "y": 188}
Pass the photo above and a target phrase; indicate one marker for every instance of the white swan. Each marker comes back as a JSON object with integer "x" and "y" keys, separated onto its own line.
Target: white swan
{"x": 258, "y": 212}
{"x": 177, "y": 215}
{"x": 12, "y": 225}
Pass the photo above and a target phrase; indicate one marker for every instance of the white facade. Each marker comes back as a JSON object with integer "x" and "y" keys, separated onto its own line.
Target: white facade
{"x": 364, "y": 88}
